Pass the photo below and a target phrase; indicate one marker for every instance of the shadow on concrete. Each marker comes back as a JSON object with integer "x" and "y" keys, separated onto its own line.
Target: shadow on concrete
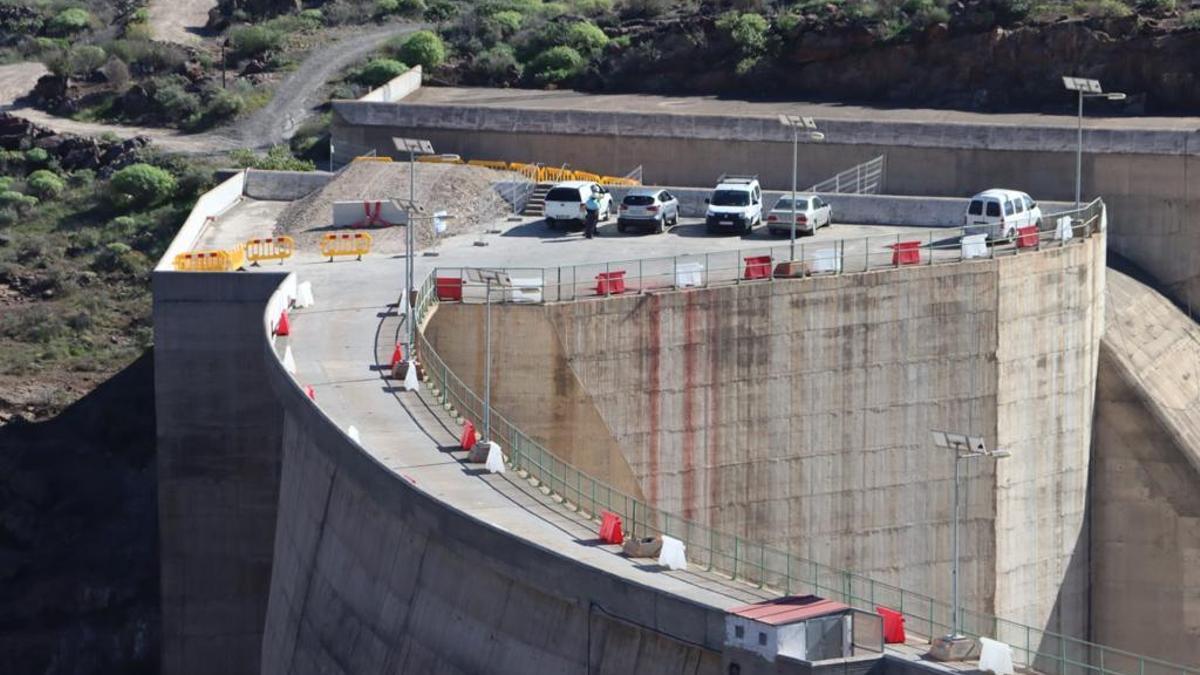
{"x": 652, "y": 567}
{"x": 539, "y": 230}
{"x": 475, "y": 471}
{"x": 594, "y": 542}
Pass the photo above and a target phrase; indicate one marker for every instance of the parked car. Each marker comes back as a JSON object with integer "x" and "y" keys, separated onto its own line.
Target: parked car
{"x": 811, "y": 211}
{"x": 998, "y": 213}
{"x": 649, "y": 208}
{"x": 565, "y": 202}
{"x": 736, "y": 203}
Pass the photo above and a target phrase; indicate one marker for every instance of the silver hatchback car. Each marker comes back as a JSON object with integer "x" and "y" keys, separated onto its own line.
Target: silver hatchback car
{"x": 649, "y": 208}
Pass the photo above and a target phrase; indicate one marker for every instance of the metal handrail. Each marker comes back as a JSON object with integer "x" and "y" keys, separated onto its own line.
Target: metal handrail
{"x": 763, "y": 565}
{"x": 862, "y": 179}
{"x": 767, "y": 263}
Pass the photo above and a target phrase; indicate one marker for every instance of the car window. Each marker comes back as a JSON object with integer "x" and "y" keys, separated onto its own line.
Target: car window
{"x": 976, "y": 208}
{"x": 1008, "y": 208}
{"x": 757, "y": 196}
{"x": 666, "y": 196}
{"x": 564, "y": 194}
{"x": 730, "y": 198}
{"x": 1029, "y": 203}
{"x": 818, "y": 202}
{"x": 1019, "y": 205}
{"x": 638, "y": 200}
{"x": 993, "y": 209}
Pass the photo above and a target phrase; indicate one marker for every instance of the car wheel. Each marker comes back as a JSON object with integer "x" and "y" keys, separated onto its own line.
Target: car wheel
{"x": 659, "y": 226}
{"x": 709, "y": 229}
{"x": 620, "y": 227}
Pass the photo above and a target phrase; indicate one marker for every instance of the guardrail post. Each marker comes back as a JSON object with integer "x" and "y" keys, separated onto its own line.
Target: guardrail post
{"x": 641, "y": 280}
{"x": 762, "y": 565}
{"x": 787, "y": 574}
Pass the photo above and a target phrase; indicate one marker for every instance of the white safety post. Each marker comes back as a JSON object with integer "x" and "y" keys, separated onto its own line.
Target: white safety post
{"x": 495, "y": 458}
{"x": 411, "y": 383}
{"x": 304, "y": 295}
{"x": 289, "y": 361}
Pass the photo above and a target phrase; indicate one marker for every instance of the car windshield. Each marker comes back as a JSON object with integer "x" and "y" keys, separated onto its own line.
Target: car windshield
{"x": 639, "y": 200}
{"x": 563, "y": 194}
{"x": 785, "y": 204}
{"x": 975, "y": 209}
{"x": 730, "y": 198}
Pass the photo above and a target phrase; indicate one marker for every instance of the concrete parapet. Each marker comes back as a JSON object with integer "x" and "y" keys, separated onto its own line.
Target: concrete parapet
{"x": 396, "y": 88}
{"x": 283, "y": 185}
{"x": 210, "y": 205}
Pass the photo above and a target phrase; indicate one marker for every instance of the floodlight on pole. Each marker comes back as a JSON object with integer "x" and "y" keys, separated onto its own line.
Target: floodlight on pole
{"x": 1085, "y": 88}
{"x": 964, "y": 447}
{"x": 796, "y": 123}
{"x": 414, "y": 147}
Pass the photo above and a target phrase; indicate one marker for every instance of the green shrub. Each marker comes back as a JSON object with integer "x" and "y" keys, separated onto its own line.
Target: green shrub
{"x": 385, "y": 7}
{"x": 17, "y": 201}
{"x": 315, "y": 17}
{"x": 83, "y": 60}
{"x": 423, "y": 48}
{"x": 441, "y": 11}
{"x": 1191, "y": 20}
{"x": 251, "y": 41}
{"x": 497, "y": 65}
{"x": 379, "y": 71}
{"x": 406, "y": 7}
{"x": 37, "y": 156}
{"x": 142, "y": 15}
{"x": 555, "y": 65}
{"x": 223, "y": 105}
{"x": 278, "y": 158}
{"x": 748, "y": 31}
{"x": 508, "y": 20}
{"x": 1110, "y": 9}
{"x": 586, "y": 38}
{"x": 148, "y": 57}
{"x": 592, "y": 7}
{"x": 140, "y": 185}
{"x": 45, "y": 184}
{"x": 176, "y": 102}
{"x": 1159, "y": 6}
{"x": 69, "y": 21}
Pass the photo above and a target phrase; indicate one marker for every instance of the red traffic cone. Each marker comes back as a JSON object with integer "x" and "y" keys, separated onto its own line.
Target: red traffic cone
{"x": 312, "y": 393}
{"x": 284, "y": 327}
{"x": 397, "y": 356}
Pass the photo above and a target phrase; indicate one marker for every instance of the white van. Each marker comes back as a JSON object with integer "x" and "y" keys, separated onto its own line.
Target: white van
{"x": 736, "y": 203}
{"x": 565, "y": 202}
{"x": 998, "y": 213}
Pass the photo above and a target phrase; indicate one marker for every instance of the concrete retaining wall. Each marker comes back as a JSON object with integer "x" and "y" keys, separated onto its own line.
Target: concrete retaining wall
{"x": 798, "y": 413}
{"x": 396, "y": 88}
{"x": 219, "y": 433}
{"x": 857, "y": 209}
{"x": 1145, "y": 176}
{"x": 284, "y": 185}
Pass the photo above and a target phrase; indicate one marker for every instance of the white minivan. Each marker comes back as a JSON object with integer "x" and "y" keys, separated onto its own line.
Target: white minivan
{"x": 998, "y": 213}
{"x": 565, "y": 202}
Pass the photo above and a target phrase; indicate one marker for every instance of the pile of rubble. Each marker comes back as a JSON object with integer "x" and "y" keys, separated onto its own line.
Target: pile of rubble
{"x": 464, "y": 192}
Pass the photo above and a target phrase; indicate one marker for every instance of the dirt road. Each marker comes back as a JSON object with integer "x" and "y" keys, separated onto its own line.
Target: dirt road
{"x": 179, "y": 21}
{"x": 295, "y": 99}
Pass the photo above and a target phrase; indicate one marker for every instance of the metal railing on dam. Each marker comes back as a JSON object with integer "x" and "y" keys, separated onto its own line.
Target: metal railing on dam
{"x": 758, "y": 264}
{"x": 754, "y": 562}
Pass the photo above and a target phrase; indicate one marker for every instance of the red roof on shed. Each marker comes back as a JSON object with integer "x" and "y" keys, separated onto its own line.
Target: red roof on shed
{"x": 789, "y": 609}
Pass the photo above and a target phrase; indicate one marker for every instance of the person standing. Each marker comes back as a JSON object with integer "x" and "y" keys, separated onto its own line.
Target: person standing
{"x": 592, "y": 216}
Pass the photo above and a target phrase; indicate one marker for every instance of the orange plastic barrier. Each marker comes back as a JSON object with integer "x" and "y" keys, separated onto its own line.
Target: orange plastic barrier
{"x": 371, "y": 158}
{"x": 1027, "y": 237}
{"x": 449, "y": 289}
{"x": 270, "y": 248}
{"x": 610, "y": 283}
{"x": 758, "y": 267}
{"x": 468, "y": 439}
{"x": 906, "y": 253}
{"x": 610, "y": 528}
{"x": 893, "y": 625}
{"x": 350, "y": 243}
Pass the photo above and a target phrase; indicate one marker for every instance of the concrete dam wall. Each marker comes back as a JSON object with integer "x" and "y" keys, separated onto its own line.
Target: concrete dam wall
{"x": 1146, "y": 477}
{"x": 1144, "y": 175}
{"x": 798, "y": 412}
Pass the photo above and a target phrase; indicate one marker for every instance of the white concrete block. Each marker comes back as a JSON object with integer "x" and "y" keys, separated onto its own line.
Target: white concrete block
{"x": 495, "y": 458}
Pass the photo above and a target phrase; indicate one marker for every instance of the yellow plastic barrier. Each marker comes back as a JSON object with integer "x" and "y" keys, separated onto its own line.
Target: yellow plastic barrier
{"x": 371, "y": 158}
{"x": 550, "y": 174}
{"x": 613, "y": 180}
{"x": 270, "y": 248}
{"x": 346, "y": 243}
{"x": 584, "y": 175}
{"x": 530, "y": 171}
{"x": 489, "y": 164}
{"x": 211, "y": 261}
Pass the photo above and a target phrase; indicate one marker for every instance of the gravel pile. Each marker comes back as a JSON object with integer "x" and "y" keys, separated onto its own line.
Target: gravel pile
{"x": 465, "y": 192}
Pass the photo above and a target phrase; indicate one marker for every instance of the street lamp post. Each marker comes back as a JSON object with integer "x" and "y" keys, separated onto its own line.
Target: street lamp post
{"x": 796, "y": 123}
{"x": 414, "y": 147}
{"x": 955, "y": 646}
{"x": 1086, "y": 89}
